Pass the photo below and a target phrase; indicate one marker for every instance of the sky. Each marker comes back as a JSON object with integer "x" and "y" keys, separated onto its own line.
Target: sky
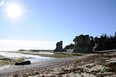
{"x": 42, "y": 23}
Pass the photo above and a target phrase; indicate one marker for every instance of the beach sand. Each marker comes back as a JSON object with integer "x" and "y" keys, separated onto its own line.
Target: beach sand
{"x": 91, "y": 65}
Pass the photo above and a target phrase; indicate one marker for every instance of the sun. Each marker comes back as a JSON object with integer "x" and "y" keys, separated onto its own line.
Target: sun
{"x": 13, "y": 10}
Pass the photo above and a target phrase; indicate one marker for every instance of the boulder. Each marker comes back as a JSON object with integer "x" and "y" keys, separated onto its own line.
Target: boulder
{"x": 23, "y": 63}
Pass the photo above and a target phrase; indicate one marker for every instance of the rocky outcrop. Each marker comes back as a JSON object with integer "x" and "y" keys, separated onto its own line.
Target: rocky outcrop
{"x": 82, "y": 44}
{"x": 59, "y": 46}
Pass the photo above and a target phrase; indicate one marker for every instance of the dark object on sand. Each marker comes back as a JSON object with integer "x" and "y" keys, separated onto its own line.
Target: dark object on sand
{"x": 23, "y": 63}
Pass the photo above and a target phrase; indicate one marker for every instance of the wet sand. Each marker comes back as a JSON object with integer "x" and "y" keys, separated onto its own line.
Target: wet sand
{"x": 12, "y": 69}
{"x": 83, "y": 66}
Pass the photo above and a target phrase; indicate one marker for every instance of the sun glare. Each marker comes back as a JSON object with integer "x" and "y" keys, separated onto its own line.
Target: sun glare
{"x": 13, "y": 10}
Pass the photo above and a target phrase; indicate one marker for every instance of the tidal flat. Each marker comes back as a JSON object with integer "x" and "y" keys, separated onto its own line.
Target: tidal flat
{"x": 88, "y": 65}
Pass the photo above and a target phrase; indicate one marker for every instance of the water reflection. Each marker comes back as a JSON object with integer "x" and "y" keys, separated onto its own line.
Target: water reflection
{"x": 38, "y": 59}
{"x": 32, "y": 58}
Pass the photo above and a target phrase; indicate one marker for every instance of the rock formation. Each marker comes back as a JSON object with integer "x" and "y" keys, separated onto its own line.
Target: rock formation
{"x": 59, "y": 46}
{"x": 82, "y": 44}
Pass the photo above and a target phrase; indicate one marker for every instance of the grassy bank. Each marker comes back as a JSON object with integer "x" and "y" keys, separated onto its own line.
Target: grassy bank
{"x": 54, "y": 55}
{"x": 61, "y": 55}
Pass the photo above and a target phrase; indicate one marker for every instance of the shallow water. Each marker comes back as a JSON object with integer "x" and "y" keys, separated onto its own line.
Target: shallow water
{"x": 32, "y": 58}
{"x": 3, "y": 67}
{"x": 38, "y": 59}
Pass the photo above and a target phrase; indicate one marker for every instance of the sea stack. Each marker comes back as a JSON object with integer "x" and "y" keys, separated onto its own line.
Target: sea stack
{"x": 59, "y": 46}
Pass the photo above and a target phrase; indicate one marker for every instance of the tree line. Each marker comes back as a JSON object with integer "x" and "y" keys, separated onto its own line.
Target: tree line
{"x": 87, "y": 44}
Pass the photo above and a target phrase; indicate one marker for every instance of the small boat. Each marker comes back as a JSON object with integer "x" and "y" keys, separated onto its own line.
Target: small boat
{"x": 23, "y": 63}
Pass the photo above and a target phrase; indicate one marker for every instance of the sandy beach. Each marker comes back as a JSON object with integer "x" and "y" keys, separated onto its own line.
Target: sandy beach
{"x": 84, "y": 66}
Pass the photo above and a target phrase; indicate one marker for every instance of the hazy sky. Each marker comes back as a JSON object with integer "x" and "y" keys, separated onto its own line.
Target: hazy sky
{"x": 55, "y": 20}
